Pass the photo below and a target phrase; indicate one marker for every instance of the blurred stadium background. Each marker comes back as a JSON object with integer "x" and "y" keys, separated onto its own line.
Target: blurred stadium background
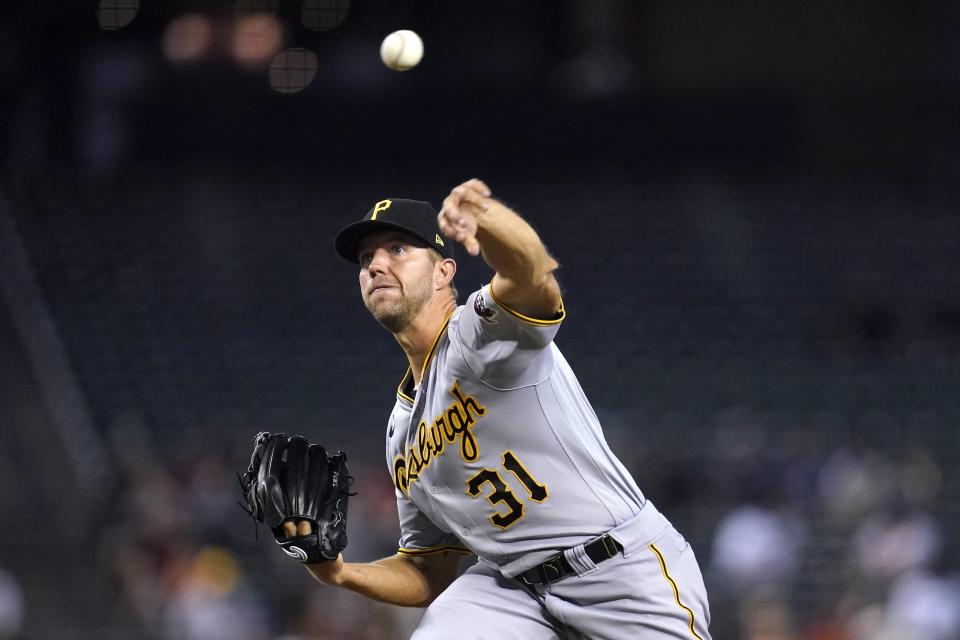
{"x": 756, "y": 210}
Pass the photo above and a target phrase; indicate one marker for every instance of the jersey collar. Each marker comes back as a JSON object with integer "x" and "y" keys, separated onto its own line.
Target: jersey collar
{"x": 406, "y": 383}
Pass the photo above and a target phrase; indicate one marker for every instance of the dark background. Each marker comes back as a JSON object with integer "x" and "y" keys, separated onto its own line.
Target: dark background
{"x": 756, "y": 213}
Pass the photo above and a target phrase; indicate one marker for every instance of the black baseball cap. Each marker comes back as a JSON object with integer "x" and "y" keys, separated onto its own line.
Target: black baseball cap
{"x": 415, "y": 217}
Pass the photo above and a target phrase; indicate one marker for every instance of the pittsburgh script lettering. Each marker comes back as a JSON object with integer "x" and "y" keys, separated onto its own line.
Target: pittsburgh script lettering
{"x": 455, "y": 422}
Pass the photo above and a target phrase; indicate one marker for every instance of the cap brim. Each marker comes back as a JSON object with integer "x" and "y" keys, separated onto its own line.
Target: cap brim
{"x": 348, "y": 239}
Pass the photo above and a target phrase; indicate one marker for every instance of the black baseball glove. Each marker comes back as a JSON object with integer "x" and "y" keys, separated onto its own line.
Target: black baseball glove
{"x": 290, "y": 479}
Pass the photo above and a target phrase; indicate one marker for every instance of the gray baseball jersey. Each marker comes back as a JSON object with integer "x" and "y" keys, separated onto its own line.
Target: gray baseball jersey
{"x": 499, "y": 452}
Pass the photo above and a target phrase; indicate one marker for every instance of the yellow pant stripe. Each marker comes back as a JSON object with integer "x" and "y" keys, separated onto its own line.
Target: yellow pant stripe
{"x": 676, "y": 592}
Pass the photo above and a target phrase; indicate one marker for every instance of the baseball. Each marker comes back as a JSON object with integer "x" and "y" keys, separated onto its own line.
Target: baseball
{"x": 401, "y": 50}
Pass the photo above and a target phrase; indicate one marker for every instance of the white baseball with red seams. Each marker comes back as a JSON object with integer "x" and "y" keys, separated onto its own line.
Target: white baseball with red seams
{"x": 401, "y": 50}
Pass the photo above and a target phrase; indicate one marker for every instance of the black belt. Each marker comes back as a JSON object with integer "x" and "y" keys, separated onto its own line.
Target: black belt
{"x": 557, "y": 567}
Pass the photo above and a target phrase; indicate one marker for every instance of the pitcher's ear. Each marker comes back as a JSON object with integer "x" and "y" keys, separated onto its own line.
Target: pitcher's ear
{"x": 445, "y": 271}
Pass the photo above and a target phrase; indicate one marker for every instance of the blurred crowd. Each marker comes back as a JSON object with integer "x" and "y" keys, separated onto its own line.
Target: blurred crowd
{"x": 848, "y": 548}
{"x": 11, "y": 605}
{"x": 806, "y": 544}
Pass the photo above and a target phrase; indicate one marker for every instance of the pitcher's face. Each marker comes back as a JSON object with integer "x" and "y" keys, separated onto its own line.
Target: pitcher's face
{"x": 396, "y": 277}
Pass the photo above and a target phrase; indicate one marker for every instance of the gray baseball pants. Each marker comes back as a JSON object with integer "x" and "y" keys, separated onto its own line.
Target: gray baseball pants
{"x": 652, "y": 590}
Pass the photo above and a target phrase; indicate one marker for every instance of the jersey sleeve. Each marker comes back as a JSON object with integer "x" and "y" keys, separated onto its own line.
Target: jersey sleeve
{"x": 419, "y": 536}
{"x": 501, "y": 346}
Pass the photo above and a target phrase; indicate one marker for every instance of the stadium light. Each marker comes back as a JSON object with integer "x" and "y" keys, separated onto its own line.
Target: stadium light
{"x": 116, "y": 14}
{"x": 324, "y": 15}
{"x": 187, "y": 38}
{"x": 256, "y": 39}
{"x": 292, "y": 70}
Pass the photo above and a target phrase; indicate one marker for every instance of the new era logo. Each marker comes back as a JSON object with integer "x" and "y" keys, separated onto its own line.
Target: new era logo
{"x": 439, "y": 239}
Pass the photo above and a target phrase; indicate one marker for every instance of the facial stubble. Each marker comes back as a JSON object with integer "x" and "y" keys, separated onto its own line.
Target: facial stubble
{"x": 395, "y": 316}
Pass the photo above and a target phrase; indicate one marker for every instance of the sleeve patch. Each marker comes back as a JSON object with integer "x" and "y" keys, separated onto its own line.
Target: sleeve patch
{"x": 481, "y": 308}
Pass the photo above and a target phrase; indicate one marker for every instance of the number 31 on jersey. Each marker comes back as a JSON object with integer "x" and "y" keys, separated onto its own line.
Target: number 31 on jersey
{"x": 501, "y": 490}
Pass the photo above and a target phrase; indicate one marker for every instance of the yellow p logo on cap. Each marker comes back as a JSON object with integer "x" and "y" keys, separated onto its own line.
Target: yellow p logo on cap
{"x": 381, "y": 206}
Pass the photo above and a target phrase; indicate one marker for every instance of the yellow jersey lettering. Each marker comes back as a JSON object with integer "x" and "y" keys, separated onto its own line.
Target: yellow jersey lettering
{"x": 436, "y": 434}
{"x": 400, "y": 479}
{"x": 414, "y": 465}
{"x": 467, "y": 402}
{"x": 455, "y": 422}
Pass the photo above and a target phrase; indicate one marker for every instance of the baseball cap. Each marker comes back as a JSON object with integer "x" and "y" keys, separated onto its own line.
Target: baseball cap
{"x": 415, "y": 217}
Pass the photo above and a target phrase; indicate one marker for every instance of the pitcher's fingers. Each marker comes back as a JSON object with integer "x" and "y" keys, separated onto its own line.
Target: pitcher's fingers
{"x": 474, "y": 209}
{"x": 479, "y": 185}
{"x": 473, "y": 247}
{"x": 462, "y": 235}
{"x": 457, "y": 197}
{"x": 451, "y": 207}
{"x": 467, "y": 194}
{"x": 290, "y": 529}
{"x": 452, "y": 224}
{"x": 465, "y": 218}
{"x": 304, "y": 528}
{"x": 447, "y": 227}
